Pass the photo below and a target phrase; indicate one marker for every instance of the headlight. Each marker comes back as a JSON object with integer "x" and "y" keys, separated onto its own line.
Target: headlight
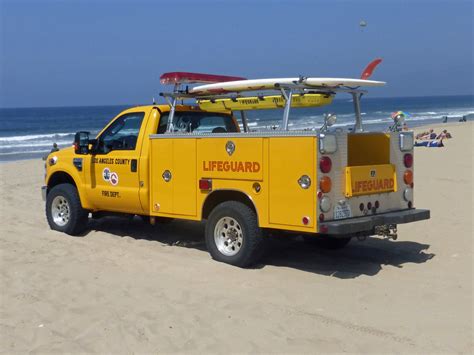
{"x": 53, "y": 160}
{"x": 406, "y": 141}
{"x": 327, "y": 143}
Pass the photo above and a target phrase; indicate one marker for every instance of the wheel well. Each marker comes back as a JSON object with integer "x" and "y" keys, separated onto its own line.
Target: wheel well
{"x": 220, "y": 196}
{"x": 60, "y": 177}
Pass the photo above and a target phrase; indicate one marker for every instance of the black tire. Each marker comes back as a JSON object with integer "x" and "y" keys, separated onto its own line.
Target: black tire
{"x": 251, "y": 247}
{"x": 327, "y": 242}
{"x": 77, "y": 216}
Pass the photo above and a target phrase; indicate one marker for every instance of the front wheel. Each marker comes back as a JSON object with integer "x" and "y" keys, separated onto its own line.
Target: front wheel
{"x": 327, "y": 242}
{"x": 64, "y": 211}
{"x": 233, "y": 235}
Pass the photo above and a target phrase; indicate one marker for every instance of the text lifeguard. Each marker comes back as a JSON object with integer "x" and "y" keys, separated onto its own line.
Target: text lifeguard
{"x": 234, "y": 166}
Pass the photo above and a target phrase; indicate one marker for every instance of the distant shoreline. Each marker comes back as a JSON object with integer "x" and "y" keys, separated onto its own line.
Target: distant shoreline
{"x": 368, "y": 97}
{"x": 416, "y": 129}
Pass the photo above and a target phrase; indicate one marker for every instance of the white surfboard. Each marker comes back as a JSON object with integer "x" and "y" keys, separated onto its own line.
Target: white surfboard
{"x": 268, "y": 84}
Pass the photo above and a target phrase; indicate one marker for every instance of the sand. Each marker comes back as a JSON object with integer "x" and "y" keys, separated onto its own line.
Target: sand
{"x": 127, "y": 287}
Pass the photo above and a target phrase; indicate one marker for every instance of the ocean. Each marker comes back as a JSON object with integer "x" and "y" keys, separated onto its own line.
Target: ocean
{"x": 27, "y": 133}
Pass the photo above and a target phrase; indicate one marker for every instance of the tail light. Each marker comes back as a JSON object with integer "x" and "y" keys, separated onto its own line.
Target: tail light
{"x": 408, "y": 160}
{"x": 325, "y": 204}
{"x": 325, "y": 164}
{"x": 406, "y": 141}
{"x": 408, "y": 177}
{"x": 205, "y": 184}
{"x": 325, "y": 184}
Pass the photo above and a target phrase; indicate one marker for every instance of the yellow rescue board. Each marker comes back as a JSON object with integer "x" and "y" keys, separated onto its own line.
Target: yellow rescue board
{"x": 370, "y": 179}
{"x": 264, "y": 102}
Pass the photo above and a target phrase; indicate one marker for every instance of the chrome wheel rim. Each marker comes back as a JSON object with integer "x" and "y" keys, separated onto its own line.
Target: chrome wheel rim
{"x": 60, "y": 211}
{"x": 228, "y": 236}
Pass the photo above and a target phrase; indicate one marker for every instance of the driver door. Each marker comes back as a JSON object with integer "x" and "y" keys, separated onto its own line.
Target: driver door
{"x": 113, "y": 169}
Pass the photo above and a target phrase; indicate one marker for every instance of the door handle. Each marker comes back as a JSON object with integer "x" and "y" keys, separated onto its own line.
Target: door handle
{"x": 133, "y": 165}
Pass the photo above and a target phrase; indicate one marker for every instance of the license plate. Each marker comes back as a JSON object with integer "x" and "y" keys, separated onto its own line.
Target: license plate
{"x": 342, "y": 211}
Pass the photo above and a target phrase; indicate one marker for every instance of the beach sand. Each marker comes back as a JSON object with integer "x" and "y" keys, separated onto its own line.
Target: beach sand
{"x": 128, "y": 287}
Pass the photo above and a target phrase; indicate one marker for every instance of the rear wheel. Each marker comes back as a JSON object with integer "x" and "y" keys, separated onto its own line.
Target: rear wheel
{"x": 233, "y": 235}
{"x": 64, "y": 211}
{"x": 327, "y": 242}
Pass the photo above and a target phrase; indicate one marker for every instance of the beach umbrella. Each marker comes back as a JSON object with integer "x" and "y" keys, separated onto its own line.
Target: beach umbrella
{"x": 400, "y": 114}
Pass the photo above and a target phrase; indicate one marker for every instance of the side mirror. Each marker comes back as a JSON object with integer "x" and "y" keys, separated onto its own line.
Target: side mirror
{"x": 329, "y": 120}
{"x": 81, "y": 143}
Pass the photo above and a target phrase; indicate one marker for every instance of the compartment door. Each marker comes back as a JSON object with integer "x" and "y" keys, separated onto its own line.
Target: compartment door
{"x": 161, "y": 163}
{"x": 184, "y": 181}
{"x": 289, "y": 159}
{"x": 173, "y": 170}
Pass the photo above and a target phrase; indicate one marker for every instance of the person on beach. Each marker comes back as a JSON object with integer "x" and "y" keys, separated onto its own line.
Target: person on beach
{"x": 436, "y": 143}
{"x": 444, "y": 134}
{"x": 427, "y": 135}
{"x": 422, "y": 134}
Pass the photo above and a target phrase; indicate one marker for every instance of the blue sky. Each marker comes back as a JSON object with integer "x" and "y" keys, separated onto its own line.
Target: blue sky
{"x": 60, "y": 53}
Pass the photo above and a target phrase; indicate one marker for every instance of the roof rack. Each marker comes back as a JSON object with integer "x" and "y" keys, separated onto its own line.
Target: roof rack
{"x": 233, "y": 87}
{"x": 287, "y": 91}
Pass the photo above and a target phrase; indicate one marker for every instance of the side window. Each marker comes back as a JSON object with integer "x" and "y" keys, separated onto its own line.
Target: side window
{"x": 198, "y": 122}
{"x": 216, "y": 124}
{"x": 122, "y": 134}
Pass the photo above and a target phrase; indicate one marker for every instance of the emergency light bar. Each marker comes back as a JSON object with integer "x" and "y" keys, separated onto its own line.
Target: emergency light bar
{"x": 176, "y": 78}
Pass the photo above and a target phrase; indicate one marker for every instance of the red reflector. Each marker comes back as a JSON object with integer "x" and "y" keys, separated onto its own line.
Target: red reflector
{"x": 408, "y": 160}
{"x": 192, "y": 78}
{"x": 325, "y": 164}
{"x": 377, "y": 204}
{"x": 305, "y": 220}
{"x": 321, "y": 217}
{"x": 361, "y": 207}
{"x": 320, "y": 194}
{"x": 323, "y": 229}
{"x": 205, "y": 184}
{"x": 369, "y": 206}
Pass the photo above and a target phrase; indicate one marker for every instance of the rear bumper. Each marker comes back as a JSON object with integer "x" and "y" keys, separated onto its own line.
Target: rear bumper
{"x": 368, "y": 223}
{"x": 44, "y": 191}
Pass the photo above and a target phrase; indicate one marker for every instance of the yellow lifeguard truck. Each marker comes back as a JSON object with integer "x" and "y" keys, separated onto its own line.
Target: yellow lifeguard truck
{"x": 198, "y": 162}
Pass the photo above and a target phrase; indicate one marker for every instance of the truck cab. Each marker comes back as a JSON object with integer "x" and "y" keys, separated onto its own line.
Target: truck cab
{"x": 198, "y": 162}
{"x": 119, "y": 156}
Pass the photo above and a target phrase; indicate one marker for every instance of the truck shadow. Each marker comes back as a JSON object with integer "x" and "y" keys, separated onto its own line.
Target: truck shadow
{"x": 356, "y": 259}
{"x": 182, "y": 233}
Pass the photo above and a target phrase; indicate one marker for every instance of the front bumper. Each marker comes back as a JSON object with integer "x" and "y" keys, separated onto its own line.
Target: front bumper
{"x": 368, "y": 223}
{"x": 44, "y": 192}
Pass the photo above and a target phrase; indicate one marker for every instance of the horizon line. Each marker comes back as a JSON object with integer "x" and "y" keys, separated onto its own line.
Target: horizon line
{"x": 135, "y": 105}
